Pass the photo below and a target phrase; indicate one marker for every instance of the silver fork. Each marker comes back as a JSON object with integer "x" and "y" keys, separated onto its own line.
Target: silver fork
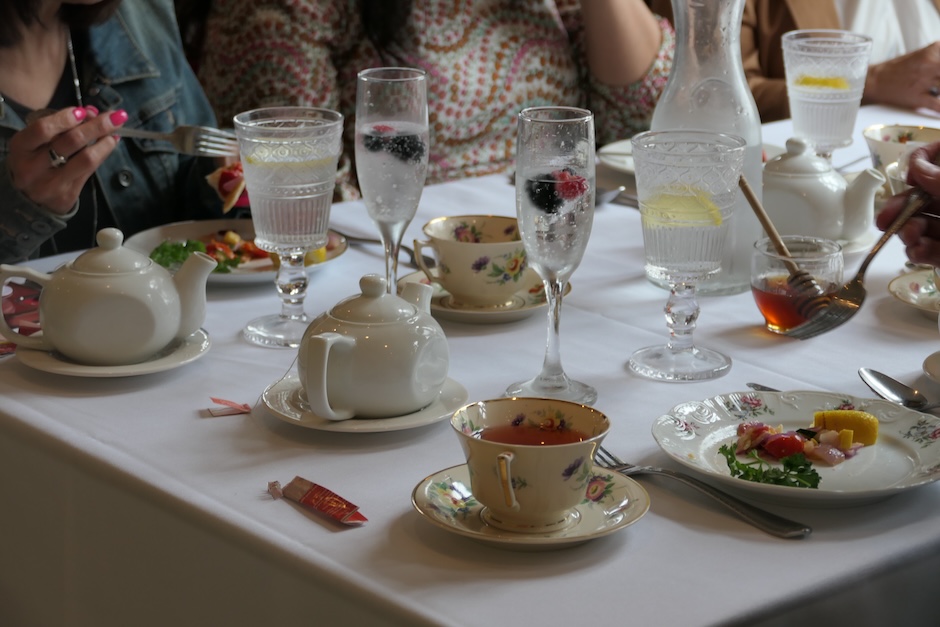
{"x": 845, "y": 302}
{"x": 201, "y": 141}
{"x": 762, "y": 519}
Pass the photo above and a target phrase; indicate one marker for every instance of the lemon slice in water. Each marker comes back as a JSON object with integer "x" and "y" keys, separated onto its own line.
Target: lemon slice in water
{"x": 671, "y": 208}
{"x": 830, "y": 82}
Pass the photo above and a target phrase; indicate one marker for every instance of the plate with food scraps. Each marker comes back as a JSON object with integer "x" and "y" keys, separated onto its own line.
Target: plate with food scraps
{"x": 251, "y": 271}
{"x": 919, "y": 290}
{"x": 905, "y": 455}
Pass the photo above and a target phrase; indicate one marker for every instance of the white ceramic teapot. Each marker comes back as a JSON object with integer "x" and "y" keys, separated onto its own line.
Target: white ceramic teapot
{"x": 112, "y": 306}
{"x": 804, "y": 195}
{"x": 375, "y": 355}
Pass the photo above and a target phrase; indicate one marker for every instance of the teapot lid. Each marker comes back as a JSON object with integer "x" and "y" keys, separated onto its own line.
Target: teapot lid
{"x": 110, "y": 257}
{"x": 374, "y": 305}
{"x": 800, "y": 158}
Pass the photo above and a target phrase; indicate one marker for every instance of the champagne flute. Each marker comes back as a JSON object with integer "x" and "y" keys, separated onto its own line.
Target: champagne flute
{"x": 289, "y": 156}
{"x": 687, "y": 183}
{"x": 555, "y": 209}
{"x": 391, "y": 152}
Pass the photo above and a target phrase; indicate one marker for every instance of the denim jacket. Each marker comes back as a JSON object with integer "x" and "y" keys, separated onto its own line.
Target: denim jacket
{"x": 134, "y": 61}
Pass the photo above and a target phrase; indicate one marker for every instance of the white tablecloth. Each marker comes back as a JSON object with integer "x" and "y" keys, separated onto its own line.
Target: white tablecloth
{"x": 122, "y": 504}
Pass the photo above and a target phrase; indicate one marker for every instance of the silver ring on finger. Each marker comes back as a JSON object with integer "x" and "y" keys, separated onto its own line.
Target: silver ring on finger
{"x": 56, "y": 160}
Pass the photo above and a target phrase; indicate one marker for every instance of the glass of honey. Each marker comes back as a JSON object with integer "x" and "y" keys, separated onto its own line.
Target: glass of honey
{"x": 777, "y": 300}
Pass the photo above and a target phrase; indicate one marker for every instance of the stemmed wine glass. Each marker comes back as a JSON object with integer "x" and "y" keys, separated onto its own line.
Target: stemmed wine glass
{"x": 687, "y": 182}
{"x": 391, "y": 152}
{"x": 289, "y": 156}
{"x": 555, "y": 209}
{"x": 825, "y": 72}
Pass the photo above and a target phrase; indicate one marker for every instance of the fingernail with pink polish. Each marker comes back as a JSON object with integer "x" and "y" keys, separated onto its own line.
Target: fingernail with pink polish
{"x": 92, "y": 109}
{"x": 79, "y": 113}
{"x": 119, "y": 117}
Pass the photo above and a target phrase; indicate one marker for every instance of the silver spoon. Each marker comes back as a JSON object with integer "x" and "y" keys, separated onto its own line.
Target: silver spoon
{"x": 895, "y": 391}
{"x": 603, "y": 196}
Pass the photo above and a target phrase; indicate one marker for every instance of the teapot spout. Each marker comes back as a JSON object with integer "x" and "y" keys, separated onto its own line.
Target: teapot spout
{"x": 190, "y": 282}
{"x": 859, "y": 203}
{"x": 418, "y": 294}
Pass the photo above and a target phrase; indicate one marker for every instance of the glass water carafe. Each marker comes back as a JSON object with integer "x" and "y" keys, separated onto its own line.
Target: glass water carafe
{"x": 707, "y": 91}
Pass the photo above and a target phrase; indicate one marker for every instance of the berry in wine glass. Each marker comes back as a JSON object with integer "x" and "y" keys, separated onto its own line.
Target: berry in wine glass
{"x": 549, "y": 191}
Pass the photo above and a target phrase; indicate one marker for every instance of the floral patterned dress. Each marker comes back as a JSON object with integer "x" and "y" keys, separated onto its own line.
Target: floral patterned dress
{"x": 486, "y": 61}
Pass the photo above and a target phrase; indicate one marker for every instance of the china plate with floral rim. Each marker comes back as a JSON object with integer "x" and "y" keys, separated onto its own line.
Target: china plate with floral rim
{"x": 906, "y": 455}
{"x": 527, "y": 300}
{"x": 611, "y": 502}
{"x": 284, "y": 400}
{"x": 252, "y": 272}
{"x": 918, "y": 290}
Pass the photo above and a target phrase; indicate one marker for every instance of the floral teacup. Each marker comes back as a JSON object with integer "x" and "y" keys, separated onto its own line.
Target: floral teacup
{"x": 481, "y": 259}
{"x": 530, "y": 459}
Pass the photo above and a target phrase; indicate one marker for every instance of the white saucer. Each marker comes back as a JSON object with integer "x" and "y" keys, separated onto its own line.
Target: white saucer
{"x": 932, "y": 367}
{"x": 284, "y": 400}
{"x": 445, "y": 500}
{"x": 525, "y": 302}
{"x": 175, "y": 355}
{"x": 918, "y": 290}
{"x": 862, "y": 244}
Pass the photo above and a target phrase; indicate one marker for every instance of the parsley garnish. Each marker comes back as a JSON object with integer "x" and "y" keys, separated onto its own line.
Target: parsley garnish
{"x": 797, "y": 471}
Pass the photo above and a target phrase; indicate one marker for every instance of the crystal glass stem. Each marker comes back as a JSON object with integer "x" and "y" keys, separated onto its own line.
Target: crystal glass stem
{"x": 391, "y": 235}
{"x": 681, "y": 314}
{"x": 291, "y": 284}
{"x": 553, "y": 375}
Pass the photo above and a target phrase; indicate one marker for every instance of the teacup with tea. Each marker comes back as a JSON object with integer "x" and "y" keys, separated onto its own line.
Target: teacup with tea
{"x": 530, "y": 459}
{"x": 481, "y": 259}
{"x": 778, "y": 301}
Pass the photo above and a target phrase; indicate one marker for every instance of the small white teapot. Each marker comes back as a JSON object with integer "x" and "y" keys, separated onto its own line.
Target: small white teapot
{"x": 112, "y": 306}
{"x": 804, "y": 195}
{"x": 376, "y": 355}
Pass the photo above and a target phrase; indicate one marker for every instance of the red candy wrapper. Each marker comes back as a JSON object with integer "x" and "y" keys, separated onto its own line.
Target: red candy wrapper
{"x": 319, "y": 499}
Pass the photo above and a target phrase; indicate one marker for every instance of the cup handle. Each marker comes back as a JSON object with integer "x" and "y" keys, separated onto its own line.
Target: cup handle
{"x": 419, "y": 259}
{"x": 317, "y": 351}
{"x": 503, "y": 468}
{"x": 38, "y": 341}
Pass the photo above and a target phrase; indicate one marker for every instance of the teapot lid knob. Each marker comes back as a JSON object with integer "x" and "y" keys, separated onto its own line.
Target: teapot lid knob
{"x": 800, "y": 158}
{"x": 374, "y": 305}
{"x": 110, "y": 256}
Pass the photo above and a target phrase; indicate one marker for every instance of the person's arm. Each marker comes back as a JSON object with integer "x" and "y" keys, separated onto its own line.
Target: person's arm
{"x": 906, "y": 81}
{"x": 921, "y": 234}
{"x": 622, "y": 39}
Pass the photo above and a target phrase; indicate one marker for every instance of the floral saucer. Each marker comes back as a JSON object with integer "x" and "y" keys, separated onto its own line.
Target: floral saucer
{"x": 527, "y": 300}
{"x": 610, "y": 503}
{"x": 918, "y": 290}
{"x": 284, "y": 399}
{"x": 177, "y": 354}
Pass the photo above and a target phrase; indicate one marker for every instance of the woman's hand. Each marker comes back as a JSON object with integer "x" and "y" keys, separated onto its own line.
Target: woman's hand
{"x": 921, "y": 234}
{"x": 51, "y": 159}
{"x": 911, "y": 81}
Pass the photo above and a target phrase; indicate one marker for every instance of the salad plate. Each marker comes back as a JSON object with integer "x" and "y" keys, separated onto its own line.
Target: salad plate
{"x": 178, "y": 353}
{"x": 918, "y": 290}
{"x": 611, "y": 503}
{"x": 284, "y": 399}
{"x": 256, "y": 271}
{"x": 905, "y": 456}
{"x": 527, "y": 300}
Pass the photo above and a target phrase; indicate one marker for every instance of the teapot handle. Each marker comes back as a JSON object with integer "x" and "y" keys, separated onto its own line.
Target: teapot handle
{"x": 318, "y": 356}
{"x": 38, "y": 342}
{"x": 419, "y": 259}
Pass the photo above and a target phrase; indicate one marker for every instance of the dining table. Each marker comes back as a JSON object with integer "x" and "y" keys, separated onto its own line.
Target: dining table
{"x": 125, "y": 501}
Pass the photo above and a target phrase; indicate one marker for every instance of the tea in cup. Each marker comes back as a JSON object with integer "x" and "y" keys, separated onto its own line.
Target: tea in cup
{"x": 530, "y": 459}
{"x": 480, "y": 259}
{"x": 778, "y": 301}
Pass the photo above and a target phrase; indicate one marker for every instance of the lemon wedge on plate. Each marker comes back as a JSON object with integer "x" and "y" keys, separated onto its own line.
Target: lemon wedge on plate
{"x": 693, "y": 207}
{"x": 829, "y": 82}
